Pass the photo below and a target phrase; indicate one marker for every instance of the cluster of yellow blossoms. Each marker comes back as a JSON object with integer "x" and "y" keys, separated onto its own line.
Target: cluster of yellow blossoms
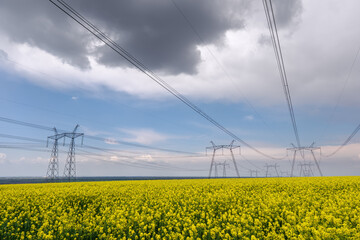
{"x": 272, "y": 208}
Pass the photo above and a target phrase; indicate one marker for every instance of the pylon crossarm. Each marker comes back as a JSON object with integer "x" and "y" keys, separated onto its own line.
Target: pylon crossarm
{"x": 302, "y": 150}
{"x": 222, "y": 147}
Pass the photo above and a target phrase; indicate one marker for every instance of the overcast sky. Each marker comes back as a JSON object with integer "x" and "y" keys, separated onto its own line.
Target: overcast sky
{"x": 216, "y": 53}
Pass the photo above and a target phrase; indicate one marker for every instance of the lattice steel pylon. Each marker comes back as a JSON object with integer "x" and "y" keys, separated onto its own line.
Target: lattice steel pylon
{"x": 70, "y": 166}
{"x": 223, "y": 165}
{"x": 269, "y": 166}
{"x": 302, "y": 150}
{"x": 305, "y": 169}
{"x": 253, "y": 172}
{"x": 222, "y": 147}
{"x": 53, "y": 168}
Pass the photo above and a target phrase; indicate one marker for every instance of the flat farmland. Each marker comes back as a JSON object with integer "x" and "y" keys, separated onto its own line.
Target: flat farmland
{"x": 264, "y": 208}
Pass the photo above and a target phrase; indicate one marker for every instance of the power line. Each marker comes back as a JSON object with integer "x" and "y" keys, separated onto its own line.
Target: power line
{"x": 139, "y": 163}
{"x": 152, "y": 155}
{"x": 136, "y": 145}
{"x": 254, "y": 165}
{"x": 37, "y": 148}
{"x": 227, "y": 75}
{"x": 345, "y": 142}
{"x": 342, "y": 90}
{"x": 134, "y": 157}
{"x": 130, "y": 164}
{"x": 26, "y": 124}
{"x": 42, "y": 127}
{"x": 67, "y": 9}
{"x": 27, "y": 68}
{"x": 28, "y": 148}
{"x": 24, "y": 146}
{"x": 122, "y": 162}
{"x": 270, "y": 17}
{"x": 22, "y": 138}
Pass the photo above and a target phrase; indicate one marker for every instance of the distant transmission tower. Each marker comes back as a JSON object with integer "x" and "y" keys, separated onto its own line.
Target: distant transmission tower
{"x": 302, "y": 150}
{"x": 70, "y": 167}
{"x": 53, "y": 168}
{"x": 253, "y": 173}
{"x": 223, "y": 165}
{"x": 270, "y": 166}
{"x": 306, "y": 170}
{"x": 222, "y": 147}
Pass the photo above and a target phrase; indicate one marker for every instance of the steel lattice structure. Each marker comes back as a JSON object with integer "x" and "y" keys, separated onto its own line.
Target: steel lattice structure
{"x": 70, "y": 166}
{"x": 53, "y": 168}
{"x": 231, "y": 147}
{"x": 269, "y": 166}
{"x": 302, "y": 151}
{"x": 306, "y": 170}
{"x": 253, "y": 173}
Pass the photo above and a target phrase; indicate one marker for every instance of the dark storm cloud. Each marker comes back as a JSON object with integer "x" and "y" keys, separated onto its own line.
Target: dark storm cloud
{"x": 39, "y": 24}
{"x": 153, "y": 31}
{"x": 287, "y": 12}
{"x": 156, "y": 32}
{"x": 287, "y": 15}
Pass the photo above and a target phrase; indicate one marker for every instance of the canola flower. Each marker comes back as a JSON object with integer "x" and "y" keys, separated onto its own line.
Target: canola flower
{"x": 271, "y": 208}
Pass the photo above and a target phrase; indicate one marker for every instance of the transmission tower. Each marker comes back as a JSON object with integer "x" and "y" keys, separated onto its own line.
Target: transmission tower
{"x": 223, "y": 165}
{"x": 70, "y": 167}
{"x": 222, "y": 147}
{"x": 306, "y": 170}
{"x": 53, "y": 168}
{"x": 253, "y": 173}
{"x": 270, "y": 166}
{"x": 302, "y": 151}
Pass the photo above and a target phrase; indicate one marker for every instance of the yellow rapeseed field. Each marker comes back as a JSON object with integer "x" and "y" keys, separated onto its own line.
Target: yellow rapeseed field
{"x": 273, "y": 208}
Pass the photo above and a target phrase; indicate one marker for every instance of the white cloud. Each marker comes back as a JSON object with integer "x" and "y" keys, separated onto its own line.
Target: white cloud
{"x": 40, "y": 160}
{"x": 2, "y": 157}
{"x": 92, "y": 132}
{"x": 74, "y": 98}
{"x": 114, "y": 158}
{"x": 145, "y": 157}
{"x": 349, "y": 151}
{"x": 249, "y": 117}
{"x": 111, "y": 141}
{"x": 311, "y": 64}
{"x": 144, "y": 136}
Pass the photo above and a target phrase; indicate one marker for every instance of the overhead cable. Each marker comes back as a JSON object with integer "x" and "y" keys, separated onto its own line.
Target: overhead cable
{"x": 345, "y": 142}
{"x": 67, "y": 9}
{"x": 42, "y": 127}
{"x": 270, "y": 17}
{"x": 227, "y": 75}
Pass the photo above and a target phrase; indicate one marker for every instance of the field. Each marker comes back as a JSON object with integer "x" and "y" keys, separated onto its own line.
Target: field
{"x": 272, "y": 208}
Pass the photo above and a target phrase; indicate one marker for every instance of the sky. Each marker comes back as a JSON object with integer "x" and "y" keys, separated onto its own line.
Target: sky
{"x": 218, "y": 54}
